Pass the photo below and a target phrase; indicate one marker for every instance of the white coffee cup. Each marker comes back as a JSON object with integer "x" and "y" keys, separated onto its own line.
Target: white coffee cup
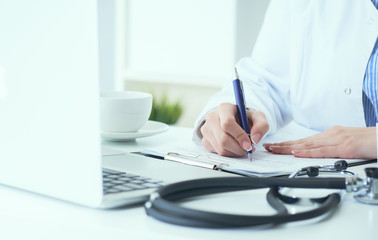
{"x": 124, "y": 112}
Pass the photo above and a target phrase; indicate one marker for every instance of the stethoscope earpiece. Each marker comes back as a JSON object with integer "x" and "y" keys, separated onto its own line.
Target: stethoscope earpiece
{"x": 341, "y": 165}
{"x": 338, "y": 167}
{"x": 312, "y": 171}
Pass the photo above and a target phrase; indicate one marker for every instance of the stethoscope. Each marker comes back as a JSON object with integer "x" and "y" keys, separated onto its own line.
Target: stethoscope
{"x": 164, "y": 204}
{"x": 339, "y": 167}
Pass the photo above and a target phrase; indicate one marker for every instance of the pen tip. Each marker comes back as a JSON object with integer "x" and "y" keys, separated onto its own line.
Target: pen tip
{"x": 250, "y": 157}
{"x": 236, "y": 73}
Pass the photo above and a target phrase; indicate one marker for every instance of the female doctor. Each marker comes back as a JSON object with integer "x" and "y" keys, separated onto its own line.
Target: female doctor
{"x": 314, "y": 63}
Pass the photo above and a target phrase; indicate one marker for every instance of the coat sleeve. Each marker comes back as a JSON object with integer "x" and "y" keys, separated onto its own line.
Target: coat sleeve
{"x": 265, "y": 74}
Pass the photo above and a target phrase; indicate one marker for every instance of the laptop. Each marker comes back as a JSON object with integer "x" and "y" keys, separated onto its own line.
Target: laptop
{"x": 49, "y": 111}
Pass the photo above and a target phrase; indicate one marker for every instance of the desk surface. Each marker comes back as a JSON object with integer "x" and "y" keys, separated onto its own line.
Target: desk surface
{"x": 29, "y": 216}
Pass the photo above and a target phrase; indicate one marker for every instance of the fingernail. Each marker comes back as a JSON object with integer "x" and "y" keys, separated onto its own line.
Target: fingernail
{"x": 256, "y": 138}
{"x": 246, "y": 145}
{"x": 295, "y": 151}
{"x": 266, "y": 146}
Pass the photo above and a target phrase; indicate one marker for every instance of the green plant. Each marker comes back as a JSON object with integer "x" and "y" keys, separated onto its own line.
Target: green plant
{"x": 165, "y": 111}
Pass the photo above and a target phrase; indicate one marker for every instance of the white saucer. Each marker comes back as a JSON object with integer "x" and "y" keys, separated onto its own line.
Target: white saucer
{"x": 149, "y": 129}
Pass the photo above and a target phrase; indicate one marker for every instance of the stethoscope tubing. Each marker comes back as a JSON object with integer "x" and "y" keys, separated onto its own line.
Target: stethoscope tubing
{"x": 163, "y": 206}
{"x": 177, "y": 215}
{"x": 227, "y": 184}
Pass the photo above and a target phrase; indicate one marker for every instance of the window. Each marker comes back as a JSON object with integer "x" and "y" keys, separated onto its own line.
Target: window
{"x": 186, "y": 41}
{"x": 175, "y": 46}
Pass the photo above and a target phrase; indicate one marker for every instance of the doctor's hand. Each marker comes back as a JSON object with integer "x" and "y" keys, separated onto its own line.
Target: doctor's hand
{"x": 338, "y": 142}
{"x": 223, "y": 135}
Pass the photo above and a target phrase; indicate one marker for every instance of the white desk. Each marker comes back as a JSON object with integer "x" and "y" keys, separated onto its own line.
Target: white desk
{"x": 30, "y": 216}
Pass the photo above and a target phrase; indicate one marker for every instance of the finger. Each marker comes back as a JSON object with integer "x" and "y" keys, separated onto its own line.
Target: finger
{"x": 259, "y": 125}
{"x": 317, "y": 140}
{"x": 313, "y": 144}
{"x": 321, "y": 152}
{"x": 317, "y": 137}
{"x": 286, "y": 143}
{"x": 209, "y": 139}
{"x": 221, "y": 142}
{"x": 227, "y": 145}
{"x": 282, "y": 146}
{"x": 207, "y": 131}
{"x": 280, "y": 149}
{"x": 267, "y": 145}
{"x": 223, "y": 151}
{"x": 208, "y": 145}
{"x": 228, "y": 124}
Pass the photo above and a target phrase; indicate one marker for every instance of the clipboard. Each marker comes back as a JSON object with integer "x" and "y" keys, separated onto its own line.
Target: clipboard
{"x": 264, "y": 163}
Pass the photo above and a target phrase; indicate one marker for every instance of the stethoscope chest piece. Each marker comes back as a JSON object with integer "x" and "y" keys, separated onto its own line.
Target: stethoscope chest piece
{"x": 369, "y": 195}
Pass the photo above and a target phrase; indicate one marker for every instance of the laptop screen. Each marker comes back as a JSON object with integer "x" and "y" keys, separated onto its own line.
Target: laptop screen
{"x": 49, "y": 124}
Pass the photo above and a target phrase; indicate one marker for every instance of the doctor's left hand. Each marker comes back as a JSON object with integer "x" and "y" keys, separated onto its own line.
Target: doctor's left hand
{"x": 335, "y": 142}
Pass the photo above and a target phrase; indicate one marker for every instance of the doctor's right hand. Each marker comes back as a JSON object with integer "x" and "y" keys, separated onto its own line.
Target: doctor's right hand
{"x": 223, "y": 135}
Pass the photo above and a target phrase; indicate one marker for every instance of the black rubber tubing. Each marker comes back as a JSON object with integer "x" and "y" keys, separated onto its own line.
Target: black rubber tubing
{"x": 165, "y": 210}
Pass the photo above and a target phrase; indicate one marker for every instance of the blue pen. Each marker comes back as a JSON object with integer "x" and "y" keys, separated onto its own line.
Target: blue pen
{"x": 242, "y": 110}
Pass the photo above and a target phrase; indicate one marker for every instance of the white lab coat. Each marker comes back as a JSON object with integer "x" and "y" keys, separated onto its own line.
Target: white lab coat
{"x": 308, "y": 63}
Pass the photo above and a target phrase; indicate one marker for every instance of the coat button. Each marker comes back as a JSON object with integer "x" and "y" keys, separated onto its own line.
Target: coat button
{"x": 347, "y": 91}
{"x": 370, "y": 20}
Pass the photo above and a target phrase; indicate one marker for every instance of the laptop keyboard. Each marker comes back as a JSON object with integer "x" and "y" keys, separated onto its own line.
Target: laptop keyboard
{"x": 117, "y": 182}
